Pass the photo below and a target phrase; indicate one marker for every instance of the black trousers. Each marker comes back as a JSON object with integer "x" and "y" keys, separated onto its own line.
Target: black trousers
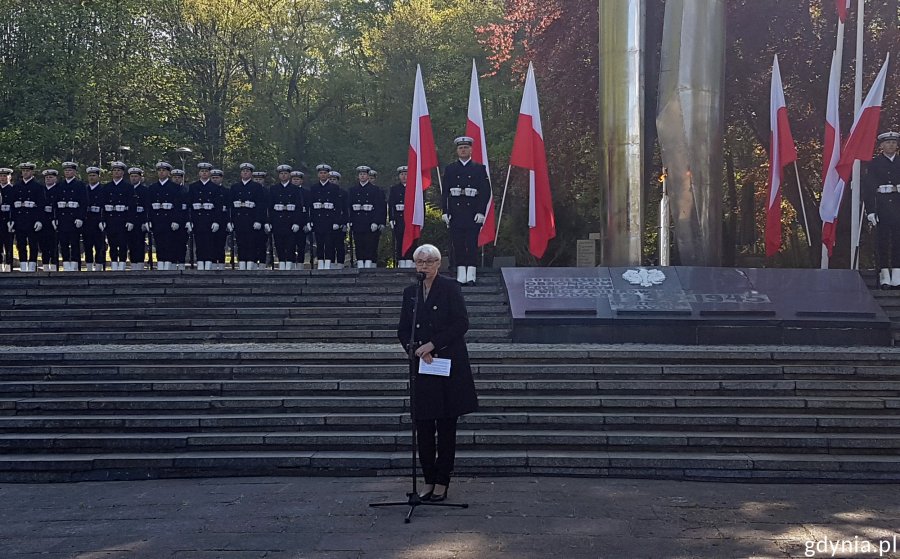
{"x": 27, "y": 242}
{"x": 136, "y": 244}
{"x": 888, "y": 230}
{"x": 251, "y": 243}
{"x": 436, "y": 459}
{"x": 464, "y": 242}
{"x": 6, "y": 245}
{"x": 325, "y": 239}
{"x": 94, "y": 244}
{"x": 70, "y": 246}
{"x": 289, "y": 246}
{"x": 204, "y": 242}
{"x": 49, "y": 248}
{"x": 366, "y": 244}
{"x": 118, "y": 243}
{"x": 340, "y": 246}
{"x": 398, "y": 243}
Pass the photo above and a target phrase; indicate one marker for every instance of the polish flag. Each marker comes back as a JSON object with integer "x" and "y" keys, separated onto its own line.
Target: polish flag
{"x": 833, "y": 186}
{"x": 843, "y": 7}
{"x": 782, "y": 152}
{"x": 528, "y": 152}
{"x": 475, "y": 130}
{"x": 865, "y": 128}
{"x": 421, "y": 160}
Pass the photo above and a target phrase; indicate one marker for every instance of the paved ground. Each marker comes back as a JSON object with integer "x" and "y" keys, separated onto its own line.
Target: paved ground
{"x": 521, "y": 518}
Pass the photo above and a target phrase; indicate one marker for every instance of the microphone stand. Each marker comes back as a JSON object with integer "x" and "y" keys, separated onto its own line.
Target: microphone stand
{"x": 412, "y": 498}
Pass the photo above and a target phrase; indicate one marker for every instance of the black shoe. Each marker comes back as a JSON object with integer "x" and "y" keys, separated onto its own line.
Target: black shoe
{"x": 435, "y": 498}
{"x": 472, "y": 283}
{"x": 426, "y": 496}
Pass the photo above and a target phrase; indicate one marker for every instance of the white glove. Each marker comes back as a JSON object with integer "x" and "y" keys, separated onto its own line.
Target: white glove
{"x": 393, "y": 223}
{"x": 189, "y": 226}
{"x": 307, "y": 228}
{"x": 214, "y": 227}
{"x": 174, "y": 226}
{"x": 268, "y": 228}
{"x": 55, "y": 224}
{"x": 346, "y": 226}
{"x": 11, "y": 226}
{"x": 229, "y": 227}
{"x": 335, "y": 227}
{"x": 257, "y": 226}
{"x": 873, "y": 219}
{"x": 374, "y": 227}
{"x": 479, "y": 218}
{"x": 38, "y": 226}
{"x": 102, "y": 226}
{"x": 129, "y": 226}
{"x": 381, "y": 227}
{"x": 446, "y": 219}
{"x": 78, "y": 224}
{"x": 145, "y": 227}
{"x": 295, "y": 228}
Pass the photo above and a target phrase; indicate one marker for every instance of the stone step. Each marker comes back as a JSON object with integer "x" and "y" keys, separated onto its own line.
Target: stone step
{"x": 179, "y": 290}
{"x": 726, "y": 420}
{"x": 484, "y": 439}
{"x": 261, "y": 311}
{"x": 397, "y": 385}
{"x": 710, "y": 466}
{"x": 237, "y": 368}
{"x": 488, "y": 403}
{"x": 363, "y": 335}
{"x": 347, "y": 275}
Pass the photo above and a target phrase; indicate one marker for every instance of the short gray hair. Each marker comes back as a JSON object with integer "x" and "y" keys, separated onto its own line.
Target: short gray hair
{"x": 429, "y": 251}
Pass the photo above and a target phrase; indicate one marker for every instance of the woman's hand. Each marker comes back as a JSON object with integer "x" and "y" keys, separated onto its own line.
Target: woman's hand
{"x": 424, "y": 352}
{"x": 427, "y": 358}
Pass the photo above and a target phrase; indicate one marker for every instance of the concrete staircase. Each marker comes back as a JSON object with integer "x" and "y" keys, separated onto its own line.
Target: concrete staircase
{"x": 889, "y": 300}
{"x": 170, "y": 374}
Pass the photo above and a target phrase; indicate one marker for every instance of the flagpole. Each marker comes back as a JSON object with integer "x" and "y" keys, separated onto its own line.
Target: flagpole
{"x": 855, "y": 225}
{"x": 802, "y": 205}
{"x": 502, "y": 201}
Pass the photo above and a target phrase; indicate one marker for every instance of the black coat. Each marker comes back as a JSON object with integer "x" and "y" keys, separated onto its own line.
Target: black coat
{"x": 880, "y": 171}
{"x": 443, "y": 321}
{"x": 397, "y": 203}
{"x": 459, "y": 205}
{"x": 361, "y": 196}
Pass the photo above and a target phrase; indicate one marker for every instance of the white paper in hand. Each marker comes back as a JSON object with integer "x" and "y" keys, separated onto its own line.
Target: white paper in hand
{"x": 439, "y": 367}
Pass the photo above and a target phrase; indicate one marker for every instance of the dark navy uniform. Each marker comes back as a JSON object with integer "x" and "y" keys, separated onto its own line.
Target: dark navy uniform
{"x": 288, "y": 216}
{"x": 208, "y": 206}
{"x": 328, "y": 217}
{"x": 27, "y": 210}
{"x": 71, "y": 211}
{"x": 6, "y": 224}
{"x": 466, "y": 192}
{"x": 396, "y": 215}
{"x": 139, "y": 217}
{"x": 881, "y": 193}
{"x": 93, "y": 232}
{"x": 367, "y": 208}
{"x": 47, "y": 236}
{"x": 168, "y": 215}
{"x": 118, "y": 198}
{"x": 248, "y": 213}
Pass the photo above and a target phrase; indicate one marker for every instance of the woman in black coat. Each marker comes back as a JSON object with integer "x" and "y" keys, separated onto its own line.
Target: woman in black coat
{"x": 440, "y": 329}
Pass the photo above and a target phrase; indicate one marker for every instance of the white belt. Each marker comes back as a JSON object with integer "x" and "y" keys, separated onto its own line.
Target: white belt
{"x": 139, "y": 209}
{"x": 167, "y": 205}
{"x": 399, "y": 207}
{"x": 156, "y": 205}
{"x": 317, "y": 205}
{"x": 249, "y": 204}
{"x": 888, "y": 188}
{"x": 48, "y": 209}
{"x": 357, "y": 207}
{"x": 95, "y": 209}
{"x": 328, "y": 205}
{"x": 208, "y": 205}
{"x": 72, "y": 204}
{"x": 455, "y": 191}
{"x": 471, "y": 192}
{"x": 61, "y": 204}
{"x": 4, "y": 208}
{"x": 278, "y": 207}
{"x": 368, "y": 207}
{"x": 291, "y": 207}
{"x": 27, "y": 204}
{"x": 238, "y": 204}
{"x": 18, "y": 204}
{"x": 197, "y": 205}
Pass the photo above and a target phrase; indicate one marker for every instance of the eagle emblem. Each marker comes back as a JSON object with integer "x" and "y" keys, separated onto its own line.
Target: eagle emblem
{"x": 644, "y": 277}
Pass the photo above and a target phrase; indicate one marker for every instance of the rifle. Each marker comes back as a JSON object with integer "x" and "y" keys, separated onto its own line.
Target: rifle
{"x": 272, "y": 246}
{"x": 352, "y": 247}
{"x": 152, "y": 241}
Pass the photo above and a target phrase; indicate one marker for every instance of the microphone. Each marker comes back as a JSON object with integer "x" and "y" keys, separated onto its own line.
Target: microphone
{"x": 420, "y": 276}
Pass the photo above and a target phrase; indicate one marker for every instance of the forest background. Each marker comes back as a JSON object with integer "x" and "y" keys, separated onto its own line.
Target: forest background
{"x": 309, "y": 81}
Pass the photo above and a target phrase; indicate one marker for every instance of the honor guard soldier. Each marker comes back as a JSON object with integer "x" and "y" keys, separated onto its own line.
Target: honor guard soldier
{"x": 188, "y": 253}
{"x": 466, "y": 191}
{"x": 881, "y": 194}
{"x": 340, "y": 242}
{"x": 373, "y": 176}
{"x": 92, "y": 232}
{"x": 367, "y": 209}
{"x": 327, "y": 216}
{"x": 248, "y": 213}
{"x": 71, "y": 212}
{"x": 137, "y": 226}
{"x": 7, "y": 227}
{"x": 220, "y": 235}
{"x": 47, "y": 238}
{"x": 208, "y": 218}
{"x": 304, "y": 236}
{"x": 118, "y": 197}
{"x": 396, "y": 209}
{"x": 27, "y": 211}
{"x": 287, "y": 219}
{"x": 167, "y": 218}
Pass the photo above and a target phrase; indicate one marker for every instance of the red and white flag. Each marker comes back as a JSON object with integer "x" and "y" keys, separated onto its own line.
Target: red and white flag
{"x": 421, "y": 160}
{"x": 865, "y": 128}
{"x": 833, "y": 185}
{"x": 529, "y": 152}
{"x": 475, "y": 130}
{"x": 843, "y": 7}
{"x": 781, "y": 152}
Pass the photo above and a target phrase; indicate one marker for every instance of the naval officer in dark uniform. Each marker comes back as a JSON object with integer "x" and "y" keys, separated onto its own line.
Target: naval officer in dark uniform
{"x": 367, "y": 210}
{"x": 466, "y": 191}
{"x": 881, "y": 194}
{"x": 396, "y": 213}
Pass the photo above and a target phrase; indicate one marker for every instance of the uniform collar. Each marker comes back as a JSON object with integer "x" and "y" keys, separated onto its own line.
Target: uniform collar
{"x": 204, "y": 182}
{"x": 118, "y": 182}
{"x": 69, "y": 181}
{"x": 890, "y": 158}
{"x": 466, "y": 162}
{"x": 285, "y": 184}
{"x": 246, "y": 182}
{"x": 163, "y": 182}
